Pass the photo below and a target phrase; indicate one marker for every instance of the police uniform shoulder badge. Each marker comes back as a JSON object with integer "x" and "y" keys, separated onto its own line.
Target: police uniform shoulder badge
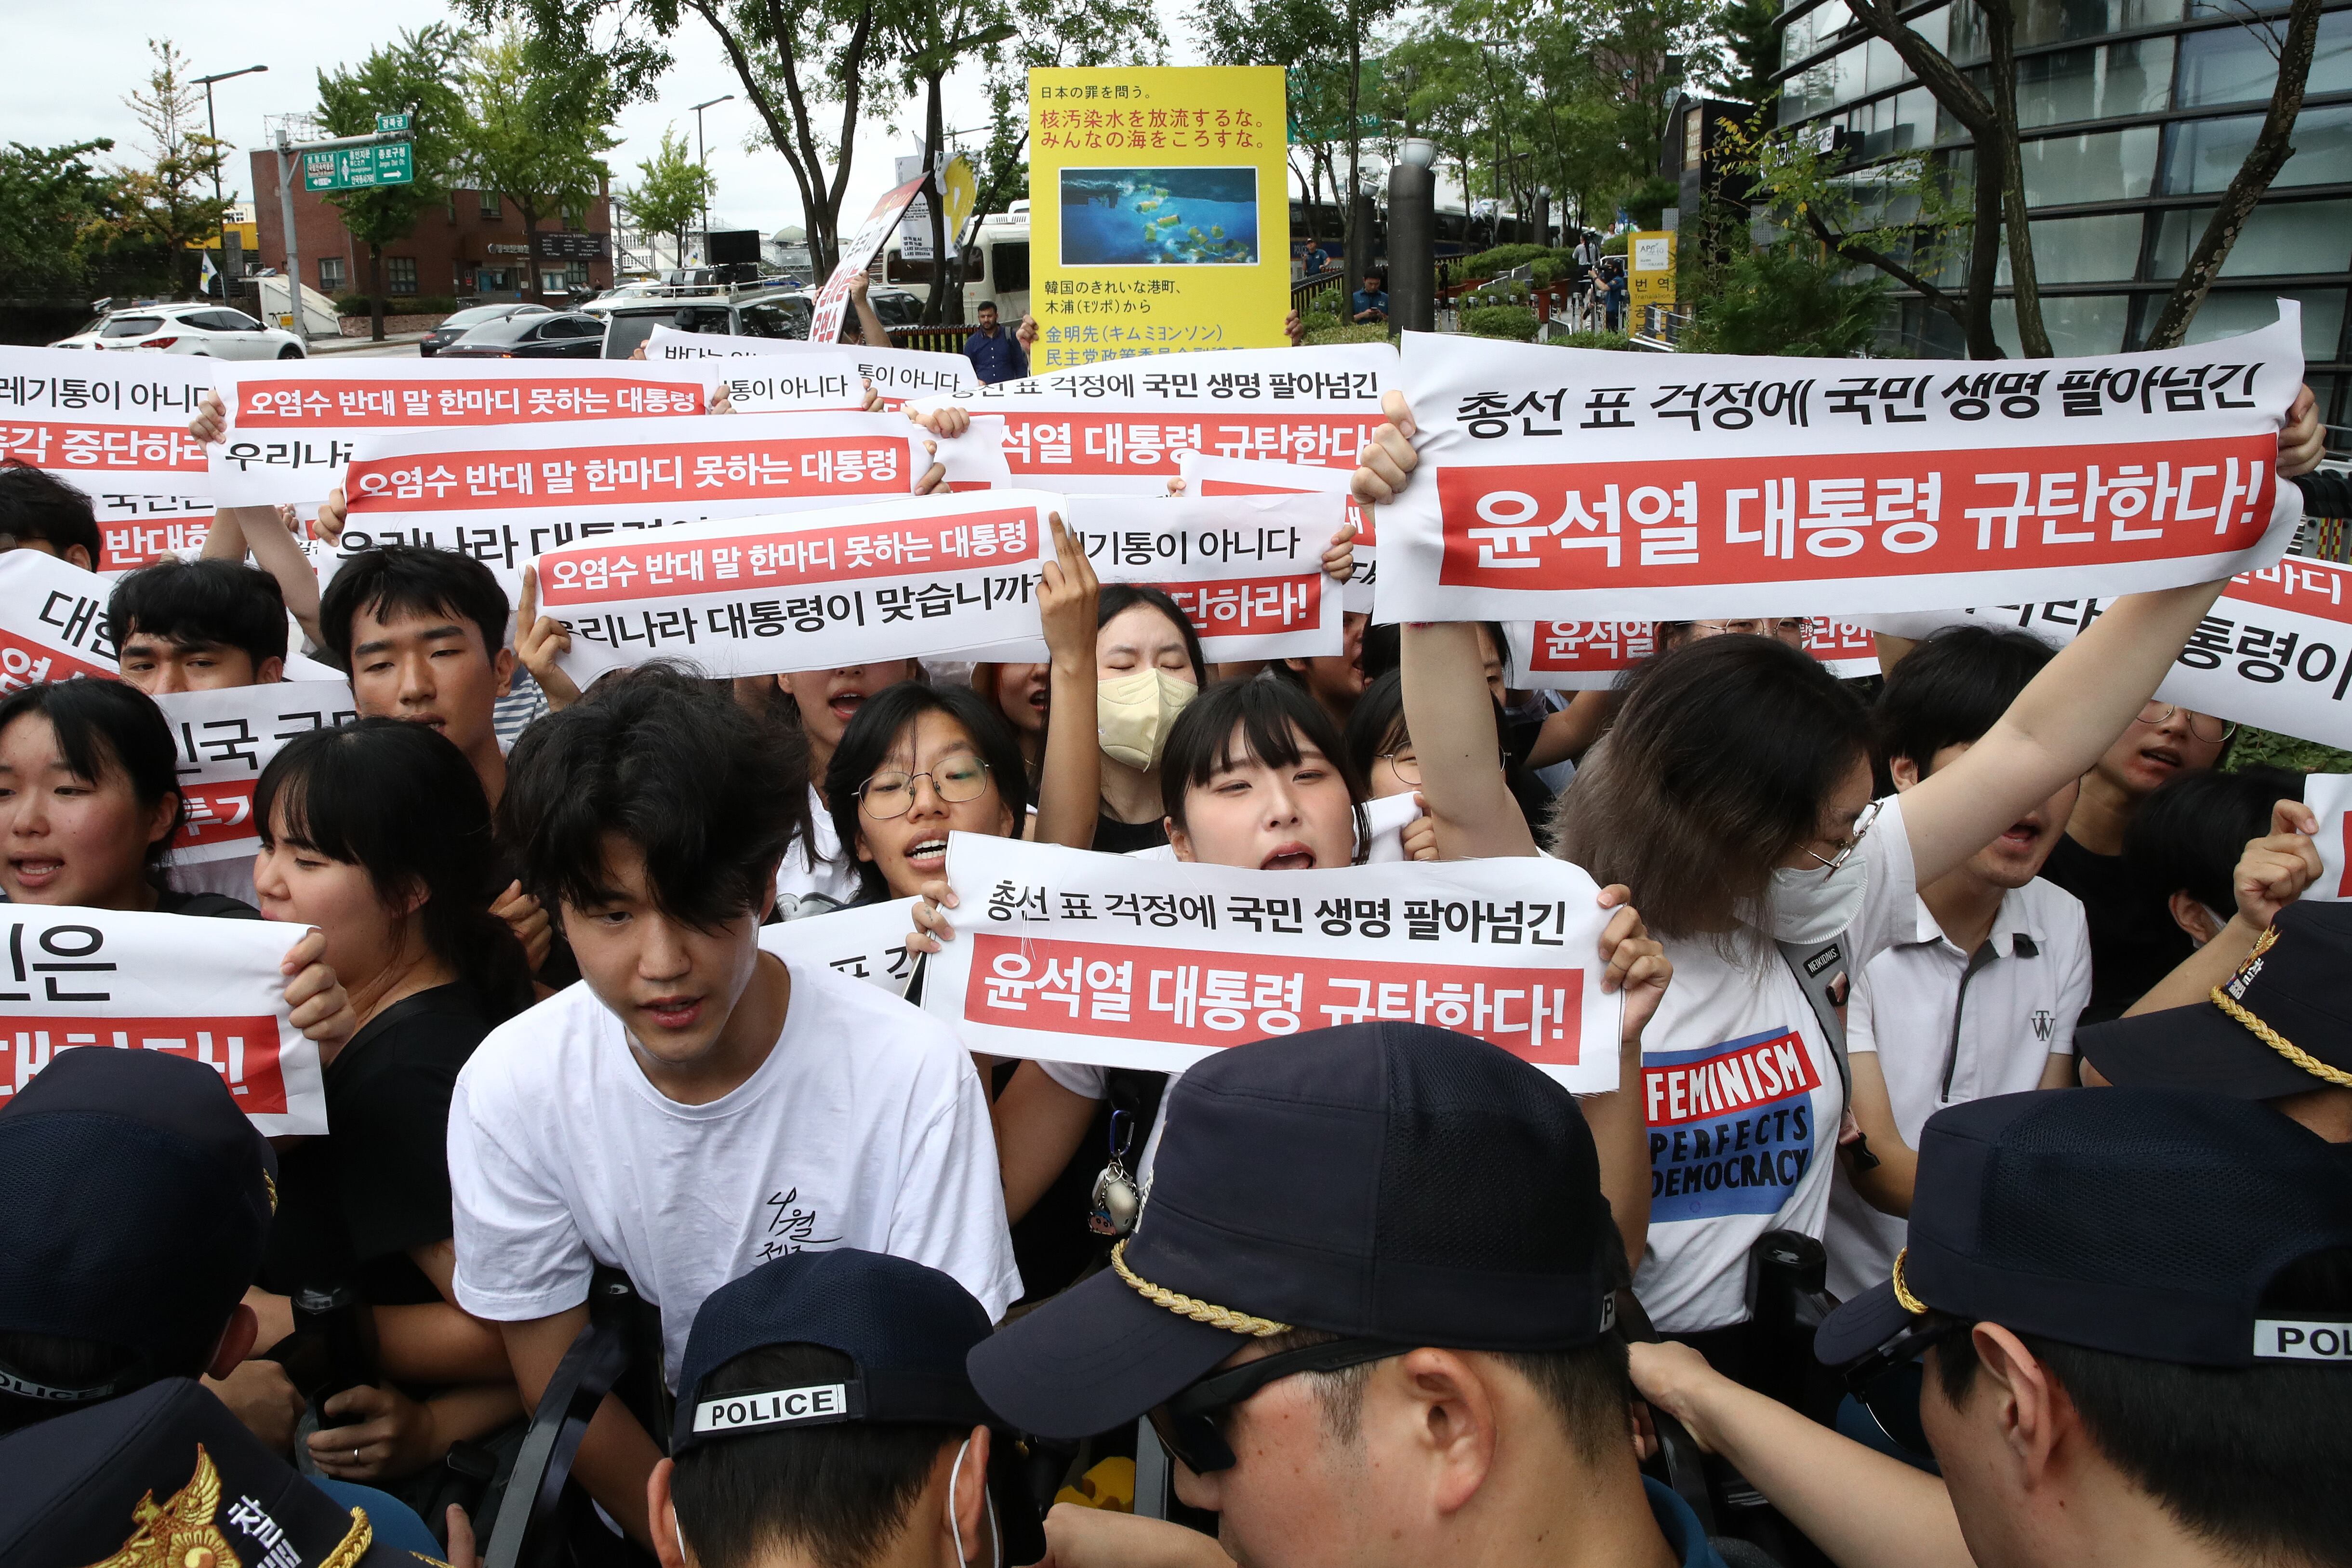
{"x": 180, "y": 1532}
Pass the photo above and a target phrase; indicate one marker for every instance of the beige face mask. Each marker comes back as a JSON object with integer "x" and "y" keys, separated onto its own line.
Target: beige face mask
{"x": 1134, "y": 712}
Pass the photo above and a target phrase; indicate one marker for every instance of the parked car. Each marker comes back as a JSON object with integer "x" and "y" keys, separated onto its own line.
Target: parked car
{"x": 456, "y": 326}
{"x": 196, "y": 327}
{"x": 552, "y": 335}
{"x": 745, "y": 312}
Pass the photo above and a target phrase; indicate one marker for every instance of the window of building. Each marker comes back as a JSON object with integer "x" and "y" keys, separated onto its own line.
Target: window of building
{"x": 2094, "y": 83}
{"x": 331, "y": 275}
{"x": 2279, "y": 238}
{"x": 490, "y": 208}
{"x": 2098, "y": 166}
{"x": 400, "y": 274}
{"x": 2203, "y": 155}
{"x": 1012, "y": 267}
{"x": 2103, "y": 249}
{"x": 2077, "y": 323}
{"x": 2226, "y": 312}
{"x": 551, "y": 282}
{"x": 495, "y": 279}
{"x": 2233, "y": 65}
{"x": 2058, "y": 22}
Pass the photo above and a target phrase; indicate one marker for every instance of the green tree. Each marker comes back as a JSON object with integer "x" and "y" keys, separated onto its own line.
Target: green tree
{"x": 1789, "y": 299}
{"x": 1298, "y": 36}
{"x": 167, "y": 203}
{"x": 676, "y": 189}
{"x": 51, "y": 199}
{"x": 1751, "y": 54}
{"x": 411, "y": 76}
{"x": 533, "y": 130}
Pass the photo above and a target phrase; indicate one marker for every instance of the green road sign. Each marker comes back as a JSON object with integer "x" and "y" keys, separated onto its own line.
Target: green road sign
{"x": 357, "y": 168}
{"x": 386, "y": 123}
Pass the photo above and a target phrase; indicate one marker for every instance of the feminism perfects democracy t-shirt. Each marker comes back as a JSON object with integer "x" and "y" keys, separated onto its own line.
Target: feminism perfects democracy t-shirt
{"x": 1743, "y": 1100}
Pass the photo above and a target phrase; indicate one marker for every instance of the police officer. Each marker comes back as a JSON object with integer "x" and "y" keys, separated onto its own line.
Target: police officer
{"x": 138, "y": 1200}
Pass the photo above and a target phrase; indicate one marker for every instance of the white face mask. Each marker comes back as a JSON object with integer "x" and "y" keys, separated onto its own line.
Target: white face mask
{"x": 1134, "y": 712}
{"x": 955, "y": 1529}
{"x": 1810, "y": 905}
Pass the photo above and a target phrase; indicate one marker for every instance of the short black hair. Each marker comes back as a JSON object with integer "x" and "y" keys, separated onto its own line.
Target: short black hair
{"x": 873, "y": 734}
{"x": 105, "y": 725}
{"x": 2188, "y": 835}
{"x": 2251, "y": 1458}
{"x": 194, "y": 604}
{"x": 839, "y": 1493}
{"x": 1271, "y": 716}
{"x": 401, "y": 801}
{"x": 414, "y": 579}
{"x": 1953, "y": 688}
{"x": 673, "y": 765}
{"x": 36, "y": 504}
{"x": 1118, "y": 598}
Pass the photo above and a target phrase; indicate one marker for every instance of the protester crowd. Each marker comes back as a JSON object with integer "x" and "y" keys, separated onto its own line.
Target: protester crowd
{"x": 1851, "y": 1266}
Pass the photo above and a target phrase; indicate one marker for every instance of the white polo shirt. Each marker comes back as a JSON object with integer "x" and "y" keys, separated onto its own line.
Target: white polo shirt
{"x": 2012, "y": 1011}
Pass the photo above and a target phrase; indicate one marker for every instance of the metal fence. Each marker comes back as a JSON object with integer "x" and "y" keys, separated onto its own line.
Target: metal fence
{"x": 939, "y": 340}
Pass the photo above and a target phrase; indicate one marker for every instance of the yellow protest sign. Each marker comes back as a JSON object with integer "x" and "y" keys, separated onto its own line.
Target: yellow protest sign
{"x": 1160, "y": 210}
{"x": 959, "y": 191}
{"x": 1650, "y": 271}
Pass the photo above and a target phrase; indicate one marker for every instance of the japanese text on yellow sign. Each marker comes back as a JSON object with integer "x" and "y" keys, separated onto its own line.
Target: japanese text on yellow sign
{"x": 1160, "y": 212}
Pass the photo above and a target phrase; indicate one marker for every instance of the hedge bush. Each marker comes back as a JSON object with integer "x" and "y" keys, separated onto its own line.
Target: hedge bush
{"x": 1515, "y": 321}
{"x": 1368, "y": 333}
{"x": 1592, "y": 340}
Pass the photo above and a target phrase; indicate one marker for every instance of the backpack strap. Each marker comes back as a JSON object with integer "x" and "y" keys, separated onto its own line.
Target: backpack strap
{"x": 1818, "y": 969}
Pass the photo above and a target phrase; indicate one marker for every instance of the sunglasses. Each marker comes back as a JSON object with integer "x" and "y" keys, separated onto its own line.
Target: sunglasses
{"x": 1888, "y": 1384}
{"x": 1189, "y": 1423}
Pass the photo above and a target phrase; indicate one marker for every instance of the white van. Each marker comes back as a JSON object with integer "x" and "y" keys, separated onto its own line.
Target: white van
{"x": 996, "y": 264}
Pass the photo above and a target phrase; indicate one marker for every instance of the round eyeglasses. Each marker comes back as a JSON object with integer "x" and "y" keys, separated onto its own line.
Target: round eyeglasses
{"x": 887, "y": 795}
{"x": 2204, "y": 726}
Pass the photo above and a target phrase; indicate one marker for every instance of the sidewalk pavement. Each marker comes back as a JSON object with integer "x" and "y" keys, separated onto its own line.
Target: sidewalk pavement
{"x": 347, "y": 345}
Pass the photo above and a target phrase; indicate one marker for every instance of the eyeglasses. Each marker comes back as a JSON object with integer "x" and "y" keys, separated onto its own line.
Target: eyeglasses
{"x": 2202, "y": 725}
{"x": 1852, "y": 842}
{"x": 1189, "y": 1422}
{"x": 1887, "y": 1382}
{"x": 1406, "y": 765}
{"x": 885, "y": 796}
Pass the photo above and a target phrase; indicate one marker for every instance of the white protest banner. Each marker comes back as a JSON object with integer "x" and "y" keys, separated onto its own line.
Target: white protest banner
{"x": 1247, "y": 570}
{"x": 52, "y": 621}
{"x": 1206, "y": 476}
{"x": 1118, "y": 427}
{"x": 821, "y": 381}
{"x": 928, "y": 575}
{"x": 897, "y": 375}
{"x": 2328, "y": 794}
{"x": 208, "y": 990}
{"x": 105, "y": 419}
{"x": 133, "y": 529}
{"x": 2275, "y": 650}
{"x": 225, "y": 738}
{"x": 293, "y": 423}
{"x": 1588, "y": 656}
{"x": 1558, "y": 483}
{"x": 832, "y": 299}
{"x": 1074, "y": 956}
{"x": 866, "y": 942}
{"x": 505, "y": 495}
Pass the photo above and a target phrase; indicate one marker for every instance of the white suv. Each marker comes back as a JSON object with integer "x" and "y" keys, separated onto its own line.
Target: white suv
{"x": 196, "y": 327}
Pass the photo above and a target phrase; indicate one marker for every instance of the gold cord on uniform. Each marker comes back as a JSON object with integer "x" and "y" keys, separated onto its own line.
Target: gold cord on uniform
{"x": 1911, "y": 1304}
{"x": 2254, "y": 1026}
{"x": 1192, "y": 1307}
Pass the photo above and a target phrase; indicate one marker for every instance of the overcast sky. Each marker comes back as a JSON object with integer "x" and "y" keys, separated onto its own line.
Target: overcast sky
{"x": 75, "y": 66}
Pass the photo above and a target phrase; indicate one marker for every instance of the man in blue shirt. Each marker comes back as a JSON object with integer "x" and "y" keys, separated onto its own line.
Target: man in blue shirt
{"x": 994, "y": 353}
{"x": 1371, "y": 302}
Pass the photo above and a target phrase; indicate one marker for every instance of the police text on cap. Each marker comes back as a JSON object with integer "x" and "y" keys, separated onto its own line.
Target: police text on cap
{"x": 773, "y": 1407}
{"x": 2277, "y": 1339}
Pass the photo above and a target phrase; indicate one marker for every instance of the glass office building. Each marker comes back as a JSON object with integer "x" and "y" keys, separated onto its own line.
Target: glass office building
{"x": 2135, "y": 114}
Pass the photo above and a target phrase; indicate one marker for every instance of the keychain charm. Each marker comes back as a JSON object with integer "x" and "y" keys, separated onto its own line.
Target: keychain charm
{"x": 1116, "y": 1200}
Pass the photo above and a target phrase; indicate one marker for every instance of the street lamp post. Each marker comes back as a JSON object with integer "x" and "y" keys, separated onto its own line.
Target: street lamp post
{"x": 702, "y": 160}
{"x": 1413, "y": 254}
{"x": 212, "y": 127}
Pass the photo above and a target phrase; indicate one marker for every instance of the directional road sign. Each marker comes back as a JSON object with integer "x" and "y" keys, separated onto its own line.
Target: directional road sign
{"x": 358, "y": 168}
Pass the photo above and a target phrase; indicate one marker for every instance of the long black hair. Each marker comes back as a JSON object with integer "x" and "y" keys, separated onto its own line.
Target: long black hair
{"x": 400, "y": 800}
{"x": 105, "y": 725}
{"x": 873, "y": 734}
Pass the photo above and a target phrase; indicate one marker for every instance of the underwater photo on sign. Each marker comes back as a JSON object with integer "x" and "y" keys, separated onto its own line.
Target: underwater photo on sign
{"x": 1160, "y": 217}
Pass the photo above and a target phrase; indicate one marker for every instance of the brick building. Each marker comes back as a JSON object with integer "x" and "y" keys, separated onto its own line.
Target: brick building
{"x": 473, "y": 247}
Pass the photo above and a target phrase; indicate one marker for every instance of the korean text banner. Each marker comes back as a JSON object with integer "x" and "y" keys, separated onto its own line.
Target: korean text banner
{"x": 2275, "y": 651}
{"x": 899, "y": 375}
{"x": 1121, "y": 429}
{"x": 1588, "y": 656}
{"x": 925, "y": 575}
{"x": 865, "y": 942}
{"x": 133, "y": 529}
{"x": 226, "y": 739}
{"x": 822, "y": 379}
{"x": 1246, "y": 569}
{"x": 1162, "y": 217}
{"x": 204, "y": 989}
{"x": 506, "y": 494}
{"x": 1073, "y": 957}
{"x": 293, "y": 425}
{"x": 1206, "y": 476}
{"x": 1567, "y": 483}
{"x": 52, "y": 621}
{"x": 105, "y": 421}
{"x": 832, "y": 299}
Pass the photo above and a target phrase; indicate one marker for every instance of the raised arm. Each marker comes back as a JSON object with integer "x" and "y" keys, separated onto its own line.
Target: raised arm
{"x": 275, "y": 552}
{"x": 2271, "y": 874}
{"x": 1069, "y": 784}
{"x": 2056, "y": 729}
{"x": 1450, "y": 717}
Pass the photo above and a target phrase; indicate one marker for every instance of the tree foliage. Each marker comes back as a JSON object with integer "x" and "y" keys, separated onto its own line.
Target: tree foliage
{"x": 675, "y": 190}
{"x": 167, "y": 203}
{"x": 534, "y": 129}
{"x": 52, "y": 201}
{"x": 415, "y": 77}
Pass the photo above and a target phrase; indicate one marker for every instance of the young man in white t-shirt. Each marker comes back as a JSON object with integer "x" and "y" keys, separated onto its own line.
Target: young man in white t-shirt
{"x": 1980, "y": 998}
{"x": 698, "y": 1107}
